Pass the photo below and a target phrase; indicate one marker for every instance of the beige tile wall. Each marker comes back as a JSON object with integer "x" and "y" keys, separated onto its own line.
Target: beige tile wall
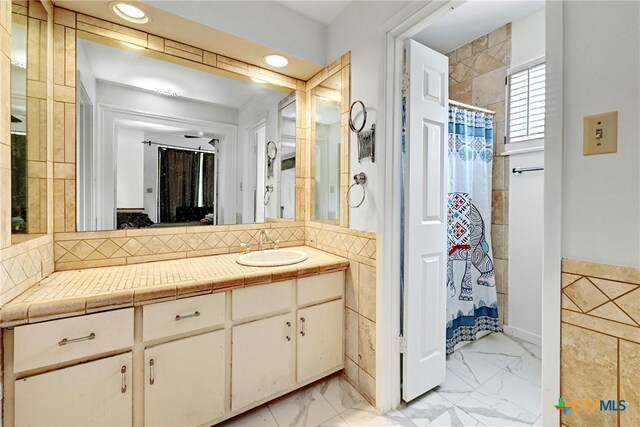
{"x": 600, "y": 341}
{"x": 24, "y": 264}
{"x": 134, "y": 246}
{"x": 37, "y": 118}
{"x": 5, "y": 129}
{"x": 360, "y": 298}
{"x": 477, "y": 73}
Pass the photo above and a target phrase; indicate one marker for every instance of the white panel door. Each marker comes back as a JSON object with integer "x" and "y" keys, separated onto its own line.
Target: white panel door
{"x": 185, "y": 381}
{"x": 425, "y": 221}
{"x": 262, "y": 359}
{"x": 320, "y": 338}
{"x": 91, "y": 394}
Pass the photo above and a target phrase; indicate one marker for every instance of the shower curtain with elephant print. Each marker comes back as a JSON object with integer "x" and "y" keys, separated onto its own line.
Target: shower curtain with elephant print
{"x": 471, "y": 287}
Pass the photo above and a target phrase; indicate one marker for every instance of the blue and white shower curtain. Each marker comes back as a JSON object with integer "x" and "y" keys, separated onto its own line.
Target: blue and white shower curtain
{"x": 472, "y": 300}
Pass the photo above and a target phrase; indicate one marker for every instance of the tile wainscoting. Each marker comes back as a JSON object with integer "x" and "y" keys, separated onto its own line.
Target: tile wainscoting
{"x": 360, "y": 298}
{"x": 24, "y": 265}
{"x": 134, "y": 246}
{"x": 600, "y": 341}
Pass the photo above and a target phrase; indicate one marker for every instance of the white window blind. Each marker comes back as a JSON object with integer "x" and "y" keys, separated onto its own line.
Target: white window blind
{"x": 526, "y": 104}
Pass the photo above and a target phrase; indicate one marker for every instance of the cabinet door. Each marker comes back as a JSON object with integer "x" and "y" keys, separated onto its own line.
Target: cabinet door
{"x": 91, "y": 394}
{"x": 262, "y": 359}
{"x": 320, "y": 338}
{"x": 185, "y": 381}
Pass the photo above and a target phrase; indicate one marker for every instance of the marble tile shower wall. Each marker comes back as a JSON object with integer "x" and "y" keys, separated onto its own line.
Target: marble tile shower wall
{"x": 477, "y": 73}
{"x": 360, "y": 299}
{"x": 600, "y": 341}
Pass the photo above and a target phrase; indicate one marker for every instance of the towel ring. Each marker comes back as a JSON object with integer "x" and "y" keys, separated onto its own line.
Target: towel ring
{"x": 364, "y": 122}
{"x": 359, "y": 179}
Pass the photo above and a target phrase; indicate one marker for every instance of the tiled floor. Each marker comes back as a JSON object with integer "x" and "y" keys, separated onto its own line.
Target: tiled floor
{"x": 494, "y": 381}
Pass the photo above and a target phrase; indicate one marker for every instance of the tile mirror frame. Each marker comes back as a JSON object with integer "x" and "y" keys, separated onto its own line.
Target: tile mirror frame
{"x": 34, "y": 20}
{"x": 68, "y": 26}
{"x": 337, "y": 70}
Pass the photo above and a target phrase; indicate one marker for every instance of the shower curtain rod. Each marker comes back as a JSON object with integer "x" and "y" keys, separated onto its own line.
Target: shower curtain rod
{"x": 470, "y": 107}
{"x": 198, "y": 150}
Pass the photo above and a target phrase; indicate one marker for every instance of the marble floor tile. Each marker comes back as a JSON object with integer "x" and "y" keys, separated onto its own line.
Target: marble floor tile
{"x": 304, "y": 408}
{"x": 513, "y": 389}
{"x": 399, "y": 419}
{"x": 496, "y": 349}
{"x": 258, "y": 417}
{"x": 454, "y": 388}
{"x": 426, "y": 408}
{"x": 473, "y": 368}
{"x": 336, "y": 421}
{"x": 455, "y": 417}
{"x": 493, "y": 411}
{"x": 339, "y": 393}
{"x": 527, "y": 367}
{"x": 365, "y": 415}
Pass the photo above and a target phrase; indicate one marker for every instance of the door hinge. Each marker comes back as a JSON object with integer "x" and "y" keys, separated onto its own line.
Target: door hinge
{"x": 402, "y": 344}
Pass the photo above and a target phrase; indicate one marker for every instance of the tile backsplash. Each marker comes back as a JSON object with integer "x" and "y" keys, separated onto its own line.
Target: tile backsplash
{"x": 120, "y": 247}
{"x": 600, "y": 341}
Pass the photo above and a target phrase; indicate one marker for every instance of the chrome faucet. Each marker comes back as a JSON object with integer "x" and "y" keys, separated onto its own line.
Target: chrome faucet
{"x": 264, "y": 233}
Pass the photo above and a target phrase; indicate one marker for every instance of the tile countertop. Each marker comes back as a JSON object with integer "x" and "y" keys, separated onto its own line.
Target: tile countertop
{"x": 77, "y": 292}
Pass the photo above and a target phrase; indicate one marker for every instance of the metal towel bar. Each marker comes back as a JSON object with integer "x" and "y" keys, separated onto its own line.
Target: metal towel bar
{"x": 518, "y": 171}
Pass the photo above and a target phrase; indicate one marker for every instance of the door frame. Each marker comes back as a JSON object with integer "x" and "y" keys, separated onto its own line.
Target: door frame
{"x": 393, "y": 34}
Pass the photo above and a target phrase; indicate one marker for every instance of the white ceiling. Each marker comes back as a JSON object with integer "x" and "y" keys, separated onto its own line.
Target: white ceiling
{"x": 473, "y": 19}
{"x": 125, "y": 67}
{"x": 322, "y": 11}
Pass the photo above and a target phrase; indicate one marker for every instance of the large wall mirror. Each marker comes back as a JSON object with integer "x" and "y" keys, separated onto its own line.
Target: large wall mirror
{"x": 329, "y": 153}
{"x": 161, "y": 142}
{"x": 28, "y": 121}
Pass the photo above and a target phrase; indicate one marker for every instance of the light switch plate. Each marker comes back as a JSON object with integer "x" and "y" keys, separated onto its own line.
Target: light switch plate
{"x": 600, "y": 134}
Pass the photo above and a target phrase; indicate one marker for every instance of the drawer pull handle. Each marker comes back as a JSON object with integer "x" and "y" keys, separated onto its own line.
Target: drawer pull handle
{"x": 66, "y": 341}
{"x": 288, "y": 331}
{"x": 123, "y": 371}
{"x": 302, "y": 332}
{"x": 187, "y": 316}
{"x": 152, "y": 378}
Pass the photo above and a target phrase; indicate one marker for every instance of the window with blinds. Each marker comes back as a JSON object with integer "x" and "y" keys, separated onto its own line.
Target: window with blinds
{"x": 526, "y": 90}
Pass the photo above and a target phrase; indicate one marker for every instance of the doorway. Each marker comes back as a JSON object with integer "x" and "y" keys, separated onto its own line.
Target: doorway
{"x": 432, "y": 263}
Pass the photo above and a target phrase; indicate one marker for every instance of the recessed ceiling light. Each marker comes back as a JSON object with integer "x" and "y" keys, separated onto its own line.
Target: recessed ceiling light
{"x": 277, "y": 61}
{"x": 253, "y": 79}
{"x": 130, "y": 12}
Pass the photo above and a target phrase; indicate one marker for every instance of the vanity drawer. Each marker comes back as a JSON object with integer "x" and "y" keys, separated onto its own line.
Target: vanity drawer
{"x": 322, "y": 287}
{"x": 58, "y": 341}
{"x": 261, "y": 300}
{"x": 170, "y": 318}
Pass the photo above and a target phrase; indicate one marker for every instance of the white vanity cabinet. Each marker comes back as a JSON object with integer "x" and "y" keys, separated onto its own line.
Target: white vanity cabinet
{"x": 320, "y": 339}
{"x": 96, "y": 393}
{"x": 192, "y": 361}
{"x": 185, "y": 381}
{"x": 262, "y": 359}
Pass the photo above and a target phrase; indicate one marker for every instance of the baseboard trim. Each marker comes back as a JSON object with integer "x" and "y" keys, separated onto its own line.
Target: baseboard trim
{"x": 522, "y": 334}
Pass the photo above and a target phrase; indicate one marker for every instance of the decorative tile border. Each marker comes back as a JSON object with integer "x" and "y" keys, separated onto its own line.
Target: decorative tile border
{"x": 24, "y": 265}
{"x": 600, "y": 341}
{"x": 134, "y": 246}
{"x": 353, "y": 244}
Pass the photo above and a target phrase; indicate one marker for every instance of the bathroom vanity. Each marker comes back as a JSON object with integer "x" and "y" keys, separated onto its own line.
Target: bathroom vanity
{"x": 183, "y": 353}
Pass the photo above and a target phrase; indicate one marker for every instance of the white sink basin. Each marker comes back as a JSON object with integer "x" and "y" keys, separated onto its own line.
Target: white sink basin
{"x": 272, "y": 258}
